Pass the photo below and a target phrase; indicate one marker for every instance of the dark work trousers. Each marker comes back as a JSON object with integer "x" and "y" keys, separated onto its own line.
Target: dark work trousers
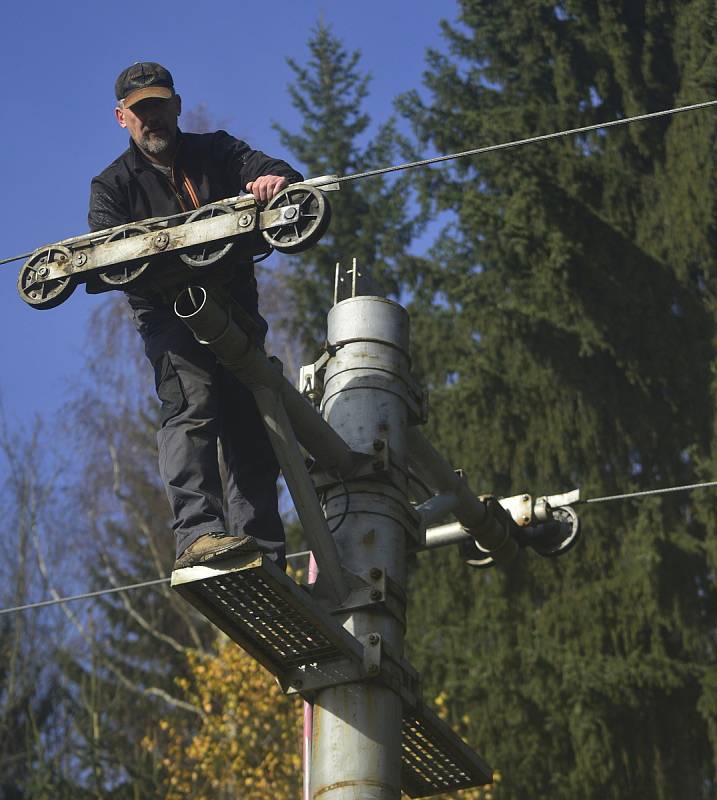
{"x": 202, "y": 405}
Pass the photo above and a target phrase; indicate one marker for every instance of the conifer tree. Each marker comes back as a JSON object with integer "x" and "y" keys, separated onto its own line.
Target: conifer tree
{"x": 577, "y": 280}
{"x": 370, "y": 219}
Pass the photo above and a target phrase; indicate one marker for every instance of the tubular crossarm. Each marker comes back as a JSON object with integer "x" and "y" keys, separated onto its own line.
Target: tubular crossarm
{"x": 492, "y": 534}
{"x": 287, "y": 415}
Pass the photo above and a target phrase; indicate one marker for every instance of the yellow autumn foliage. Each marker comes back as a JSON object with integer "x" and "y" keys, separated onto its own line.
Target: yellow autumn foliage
{"x": 248, "y": 742}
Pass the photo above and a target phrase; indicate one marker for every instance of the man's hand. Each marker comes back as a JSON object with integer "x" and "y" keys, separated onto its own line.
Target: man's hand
{"x": 265, "y": 187}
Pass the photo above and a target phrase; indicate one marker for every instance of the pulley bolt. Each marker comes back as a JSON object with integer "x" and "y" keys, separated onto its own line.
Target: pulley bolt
{"x": 161, "y": 240}
{"x": 375, "y": 573}
{"x": 79, "y": 260}
{"x": 289, "y": 213}
{"x": 376, "y": 594}
{"x": 42, "y": 272}
{"x": 373, "y": 638}
{"x": 244, "y": 220}
{"x": 61, "y": 258}
{"x": 378, "y": 445}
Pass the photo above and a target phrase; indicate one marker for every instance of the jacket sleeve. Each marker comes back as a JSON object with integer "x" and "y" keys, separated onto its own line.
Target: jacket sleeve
{"x": 242, "y": 164}
{"x": 107, "y": 206}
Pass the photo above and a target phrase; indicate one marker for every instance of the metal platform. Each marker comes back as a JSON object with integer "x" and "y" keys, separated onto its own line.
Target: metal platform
{"x": 267, "y": 613}
{"x": 435, "y": 759}
{"x": 288, "y": 632}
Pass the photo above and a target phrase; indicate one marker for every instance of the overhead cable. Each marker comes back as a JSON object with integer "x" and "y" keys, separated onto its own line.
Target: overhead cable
{"x": 466, "y": 153}
{"x": 648, "y": 493}
{"x": 98, "y": 593}
{"x": 16, "y": 258}
{"x": 590, "y": 500}
{"x": 84, "y": 596}
{"x": 530, "y": 140}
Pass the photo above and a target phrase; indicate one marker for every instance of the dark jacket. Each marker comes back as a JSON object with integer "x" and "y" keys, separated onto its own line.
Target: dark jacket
{"x": 207, "y": 167}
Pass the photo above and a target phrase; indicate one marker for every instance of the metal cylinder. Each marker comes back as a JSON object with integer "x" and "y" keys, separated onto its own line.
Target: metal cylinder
{"x": 442, "y": 535}
{"x": 436, "y": 508}
{"x": 356, "y": 749}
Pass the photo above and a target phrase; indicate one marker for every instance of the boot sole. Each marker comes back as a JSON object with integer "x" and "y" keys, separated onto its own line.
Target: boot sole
{"x": 247, "y": 545}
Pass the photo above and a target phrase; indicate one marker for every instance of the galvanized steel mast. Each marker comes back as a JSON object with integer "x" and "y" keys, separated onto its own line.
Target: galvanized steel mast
{"x": 356, "y": 748}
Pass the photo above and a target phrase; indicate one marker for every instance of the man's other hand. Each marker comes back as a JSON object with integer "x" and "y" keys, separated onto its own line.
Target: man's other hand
{"x": 266, "y": 186}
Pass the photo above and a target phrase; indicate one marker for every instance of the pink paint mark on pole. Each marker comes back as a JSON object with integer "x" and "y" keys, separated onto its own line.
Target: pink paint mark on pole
{"x": 308, "y": 707}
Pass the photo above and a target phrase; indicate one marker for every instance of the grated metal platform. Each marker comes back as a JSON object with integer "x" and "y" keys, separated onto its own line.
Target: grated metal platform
{"x": 285, "y": 630}
{"x": 267, "y": 613}
{"x": 435, "y": 758}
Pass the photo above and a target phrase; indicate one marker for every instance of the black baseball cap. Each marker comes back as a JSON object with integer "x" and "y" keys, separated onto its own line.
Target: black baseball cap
{"x": 143, "y": 79}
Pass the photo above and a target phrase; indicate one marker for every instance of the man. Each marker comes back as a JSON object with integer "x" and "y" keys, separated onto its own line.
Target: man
{"x": 165, "y": 172}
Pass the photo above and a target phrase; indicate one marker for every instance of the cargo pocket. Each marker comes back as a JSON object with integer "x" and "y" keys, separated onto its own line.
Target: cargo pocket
{"x": 169, "y": 389}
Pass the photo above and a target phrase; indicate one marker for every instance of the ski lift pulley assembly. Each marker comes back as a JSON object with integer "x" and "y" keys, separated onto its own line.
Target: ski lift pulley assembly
{"x": 170, "y": 251}
{"x": 551, "y": 530}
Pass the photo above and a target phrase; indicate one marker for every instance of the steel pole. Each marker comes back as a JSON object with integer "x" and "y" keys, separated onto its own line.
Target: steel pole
{"x": 356, "y": 750}
{"x": 308, "y": 710}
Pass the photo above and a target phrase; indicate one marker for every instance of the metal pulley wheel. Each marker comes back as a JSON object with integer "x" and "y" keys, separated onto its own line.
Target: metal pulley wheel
{"x": 301, "y": 227}
{"x": 32, "y": 286}
{"x": 561, "y": 536}
{"x": 474, "y": 555}
{"x": 208, "y": 253}
{"x": 130, "y": 271}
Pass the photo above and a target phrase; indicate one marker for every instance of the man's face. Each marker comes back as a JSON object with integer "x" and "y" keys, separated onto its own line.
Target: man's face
{"x": 152, "y": 124}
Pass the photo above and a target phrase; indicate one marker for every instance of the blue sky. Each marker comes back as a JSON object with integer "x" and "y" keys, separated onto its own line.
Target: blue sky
{"x": 60, "y": 61}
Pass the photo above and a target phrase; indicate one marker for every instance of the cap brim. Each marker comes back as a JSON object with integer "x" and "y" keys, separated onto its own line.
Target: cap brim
{"x": 162, "y": 92}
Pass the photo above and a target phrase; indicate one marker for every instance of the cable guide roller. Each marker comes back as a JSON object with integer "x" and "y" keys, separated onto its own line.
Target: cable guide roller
{"x": 163, "y": 252}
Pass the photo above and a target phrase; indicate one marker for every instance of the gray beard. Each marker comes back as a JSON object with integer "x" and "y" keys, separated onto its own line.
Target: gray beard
{"x": 156, "y": 145}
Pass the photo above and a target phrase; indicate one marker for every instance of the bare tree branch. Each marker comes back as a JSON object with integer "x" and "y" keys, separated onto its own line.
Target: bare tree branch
{"x": 106, "y": 663}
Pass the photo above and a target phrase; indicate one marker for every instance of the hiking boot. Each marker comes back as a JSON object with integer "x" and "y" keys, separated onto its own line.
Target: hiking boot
{"x": 213, "y": 547}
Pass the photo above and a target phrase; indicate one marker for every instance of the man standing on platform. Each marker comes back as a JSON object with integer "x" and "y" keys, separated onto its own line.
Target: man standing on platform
{"x": 164, "y": 172}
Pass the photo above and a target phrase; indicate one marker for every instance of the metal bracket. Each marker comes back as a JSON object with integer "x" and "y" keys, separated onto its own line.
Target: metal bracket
{"x": 306, "y": 680}
{"x": 374, "y": 461}
{"x": 520, "y": 507}
{"x": 372, "y": 653}
{"x": 526, "y": 511}
{"x": 564, "y": 499}
{"x": 380, "y": 590}
{"x": 327, "y": 183}
{"x": 377, "y": 663}
{"x": 311, "y": 379}
{"x": 417, "y": 401}
{"x": 276, "y": 217}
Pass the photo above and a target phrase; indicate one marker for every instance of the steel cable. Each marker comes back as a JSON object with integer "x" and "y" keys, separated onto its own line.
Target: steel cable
{"x": 395, "y": 168}
{"x": 491, "y": 148}
{"x": 303, "y": 553}
{"x": 466, "y": 153}
{"x": 100, "y": 592}
{"x": 647, "y": 493}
